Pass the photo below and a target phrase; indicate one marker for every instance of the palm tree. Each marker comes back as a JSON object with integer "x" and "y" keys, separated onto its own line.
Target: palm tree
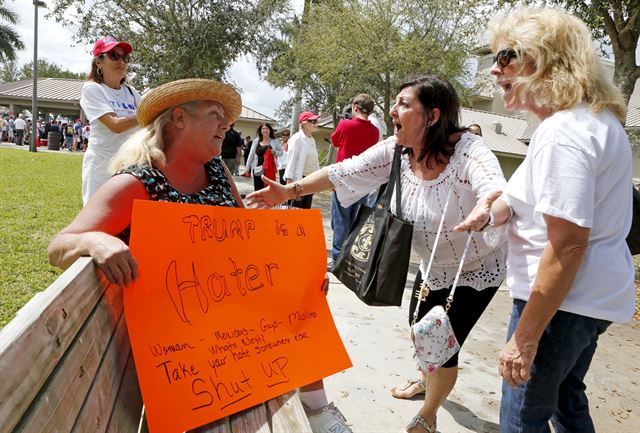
{"x": 10, "y": 40}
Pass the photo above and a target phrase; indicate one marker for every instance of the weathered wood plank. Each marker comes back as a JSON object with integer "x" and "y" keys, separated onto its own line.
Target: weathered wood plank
{"x": 127, "y": 409}
{"x": 64, "y": 394}
{"x": 41, "y": 332}
{"x": 252, "y": 420}
{"x": 287, "y": 414}
{"x": 96, "y": 411}
{"x": 220, "y": 426}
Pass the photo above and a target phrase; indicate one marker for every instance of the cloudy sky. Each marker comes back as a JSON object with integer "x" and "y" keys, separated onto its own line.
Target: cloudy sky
{"x": 55, "y": 44}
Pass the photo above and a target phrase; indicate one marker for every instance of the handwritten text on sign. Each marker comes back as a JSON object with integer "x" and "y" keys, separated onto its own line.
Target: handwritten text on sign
{"x": 227, "y": 311}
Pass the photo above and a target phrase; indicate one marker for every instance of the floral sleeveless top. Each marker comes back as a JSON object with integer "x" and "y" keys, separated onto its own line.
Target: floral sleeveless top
{"x": 217, "y": 193}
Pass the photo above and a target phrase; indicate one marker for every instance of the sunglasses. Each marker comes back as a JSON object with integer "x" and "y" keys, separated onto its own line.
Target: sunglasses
{"x": 314, "y": 121}
{"x": 115, "y": 56}
{"x": 503, "y": 57}
{"x": 285, "y": 135}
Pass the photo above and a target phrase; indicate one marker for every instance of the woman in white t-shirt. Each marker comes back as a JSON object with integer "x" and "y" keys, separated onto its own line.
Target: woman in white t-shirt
{"x": 569, "y": 269}
{"x": 110, "y": 106}
{"x": 303, "y": 155}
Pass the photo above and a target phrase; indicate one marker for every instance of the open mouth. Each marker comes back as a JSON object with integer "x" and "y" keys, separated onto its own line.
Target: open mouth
{"x": 396, "y": 127}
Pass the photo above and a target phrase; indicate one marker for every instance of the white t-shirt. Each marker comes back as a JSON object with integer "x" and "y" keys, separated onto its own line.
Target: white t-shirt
{"x": 578, "y": 168}
{"x": 99, "y": 99}
{"x": 382, "y": 127}
{"x": 473, "y": 172}
{"x": 303, "y": 156}
{"x": 19, "y": 123}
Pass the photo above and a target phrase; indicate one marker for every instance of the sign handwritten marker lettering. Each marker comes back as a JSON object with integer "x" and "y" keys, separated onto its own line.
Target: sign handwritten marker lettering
{"x": 227, "y": 311}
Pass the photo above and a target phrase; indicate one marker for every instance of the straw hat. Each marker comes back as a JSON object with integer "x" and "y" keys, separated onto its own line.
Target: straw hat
{"x": 168, "y": 95}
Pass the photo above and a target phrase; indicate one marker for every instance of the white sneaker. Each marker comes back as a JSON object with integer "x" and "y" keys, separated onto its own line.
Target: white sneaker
{"x": 329, "y": 419}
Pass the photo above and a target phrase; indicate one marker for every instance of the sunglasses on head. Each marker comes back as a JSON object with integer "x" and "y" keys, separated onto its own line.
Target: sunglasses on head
{"x": 115, "y": 56}
{"x": 504, "y": 57}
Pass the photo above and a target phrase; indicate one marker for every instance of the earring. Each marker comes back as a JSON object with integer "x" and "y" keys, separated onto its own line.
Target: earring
{"x": 99, "y": 71}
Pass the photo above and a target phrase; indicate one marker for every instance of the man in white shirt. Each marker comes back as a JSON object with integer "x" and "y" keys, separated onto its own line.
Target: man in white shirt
{"x": 20, "y": 126}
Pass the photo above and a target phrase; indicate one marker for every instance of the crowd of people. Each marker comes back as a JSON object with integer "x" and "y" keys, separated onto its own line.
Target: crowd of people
{"x": 555, "y": 231}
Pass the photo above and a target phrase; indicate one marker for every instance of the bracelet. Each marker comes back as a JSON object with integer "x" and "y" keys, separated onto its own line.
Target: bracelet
{"x": 297, "y": 188}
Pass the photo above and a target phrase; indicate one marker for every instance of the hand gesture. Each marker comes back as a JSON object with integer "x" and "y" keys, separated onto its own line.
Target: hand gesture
{"x": 479, "y": 217}
{"x": 272, "y": 195}
{"x": 516, "y": 359}
{"x": 113, "y": 257}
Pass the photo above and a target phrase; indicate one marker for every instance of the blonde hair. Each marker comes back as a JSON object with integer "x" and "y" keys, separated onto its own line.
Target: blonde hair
{"x": 147, "y": 146}
{"x": 561, "y": 51}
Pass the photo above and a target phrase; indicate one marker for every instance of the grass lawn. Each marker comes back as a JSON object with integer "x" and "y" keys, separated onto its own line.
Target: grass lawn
{"x": 39, "y": 194}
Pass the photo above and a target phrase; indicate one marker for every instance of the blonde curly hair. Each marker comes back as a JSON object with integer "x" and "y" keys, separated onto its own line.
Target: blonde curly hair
{"x": 560, "y": 49}
{"x": 147, "y": 146}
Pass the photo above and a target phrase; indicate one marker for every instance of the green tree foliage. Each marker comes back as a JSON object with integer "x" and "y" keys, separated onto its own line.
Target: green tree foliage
{"x": 613, "y": 22}
{"x": 10, "y": 71}
{"x": 47, "y": 69}
{"x": 10, "y": 40}
{"x": 371, "y": 46}
{"x": 173, "y": 39}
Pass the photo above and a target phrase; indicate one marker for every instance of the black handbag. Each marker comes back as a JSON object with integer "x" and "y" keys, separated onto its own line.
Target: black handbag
{"x": 374, "y": 259}
{"x": 633, "y": 238}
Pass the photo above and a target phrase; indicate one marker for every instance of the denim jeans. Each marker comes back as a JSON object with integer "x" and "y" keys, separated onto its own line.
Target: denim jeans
{"x": 556, "y": 391}
{"x": 341, "y": 220}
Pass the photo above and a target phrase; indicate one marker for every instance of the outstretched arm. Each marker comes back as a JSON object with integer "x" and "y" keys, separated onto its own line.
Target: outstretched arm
{"x": 489, "y": 209}
{"x": 275, "y": 194}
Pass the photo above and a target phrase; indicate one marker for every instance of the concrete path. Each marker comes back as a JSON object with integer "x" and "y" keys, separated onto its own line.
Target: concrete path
{"x": 377, "y": 339}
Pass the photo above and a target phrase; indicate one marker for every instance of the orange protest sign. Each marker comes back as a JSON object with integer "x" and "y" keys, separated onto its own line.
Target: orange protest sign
{"x": 227, "y": 311}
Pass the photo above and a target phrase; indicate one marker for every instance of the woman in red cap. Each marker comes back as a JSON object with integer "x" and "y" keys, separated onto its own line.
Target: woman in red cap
{"x": 303, "y": 155}
{"x": 110, "y": 106}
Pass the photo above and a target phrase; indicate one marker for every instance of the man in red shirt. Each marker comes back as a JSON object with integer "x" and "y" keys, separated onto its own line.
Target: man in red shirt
{"x": 351, "y": 137}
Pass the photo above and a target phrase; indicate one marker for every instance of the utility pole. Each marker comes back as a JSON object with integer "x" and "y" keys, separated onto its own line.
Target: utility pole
{"x": 34, "y": 96}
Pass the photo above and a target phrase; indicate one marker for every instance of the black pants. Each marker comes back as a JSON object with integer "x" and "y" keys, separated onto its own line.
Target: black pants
{"x": 467, "y": 307}
{"x": 257, "y": 183}
{"x": 281, "y": 173}
{"x": 303, "y": 203}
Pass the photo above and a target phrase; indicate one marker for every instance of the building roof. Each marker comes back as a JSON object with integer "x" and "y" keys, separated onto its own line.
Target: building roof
{"x": 70, "y": 90}
{"x": 57, "y": 89}
{"x": 511, "y": 130}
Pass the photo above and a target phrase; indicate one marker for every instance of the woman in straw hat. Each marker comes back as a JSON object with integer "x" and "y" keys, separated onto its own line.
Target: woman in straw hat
{"x": 170, "y": 159}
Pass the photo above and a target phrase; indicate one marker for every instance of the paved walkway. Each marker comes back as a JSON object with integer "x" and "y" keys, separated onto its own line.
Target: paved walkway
{"x": 377, "y": 339}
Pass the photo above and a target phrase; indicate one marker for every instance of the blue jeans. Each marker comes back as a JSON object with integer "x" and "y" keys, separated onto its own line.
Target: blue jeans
{"x": 341, "y": 220}
{"x": 556, "y": 390}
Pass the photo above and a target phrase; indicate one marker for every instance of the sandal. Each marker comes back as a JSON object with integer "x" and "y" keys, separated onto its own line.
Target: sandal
{"x": 408, "y": 390}
{"x": 419, "y": 421}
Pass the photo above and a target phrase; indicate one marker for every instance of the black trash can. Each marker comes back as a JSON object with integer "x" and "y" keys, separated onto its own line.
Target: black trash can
{"x": 53, "y": 140}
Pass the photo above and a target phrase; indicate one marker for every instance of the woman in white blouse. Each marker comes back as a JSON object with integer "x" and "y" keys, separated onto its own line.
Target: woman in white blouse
{"x": 439, "y": 155}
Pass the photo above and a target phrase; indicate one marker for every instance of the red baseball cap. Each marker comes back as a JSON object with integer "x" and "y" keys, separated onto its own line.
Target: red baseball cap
{"x": 107, "y": 44}
{"x": 307, "y": 115}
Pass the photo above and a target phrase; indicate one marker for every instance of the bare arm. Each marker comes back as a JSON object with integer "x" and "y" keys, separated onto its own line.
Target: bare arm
{"x": 561, "y": 259}
{"x": 93, "y": 231}
{"x": 275, "y": 194}
{"x": 118, "y": 124}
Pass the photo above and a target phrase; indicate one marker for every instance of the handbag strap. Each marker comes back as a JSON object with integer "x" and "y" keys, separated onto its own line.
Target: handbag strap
{"x": 423, "y": 286}
{"x": 384, "y": 200}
